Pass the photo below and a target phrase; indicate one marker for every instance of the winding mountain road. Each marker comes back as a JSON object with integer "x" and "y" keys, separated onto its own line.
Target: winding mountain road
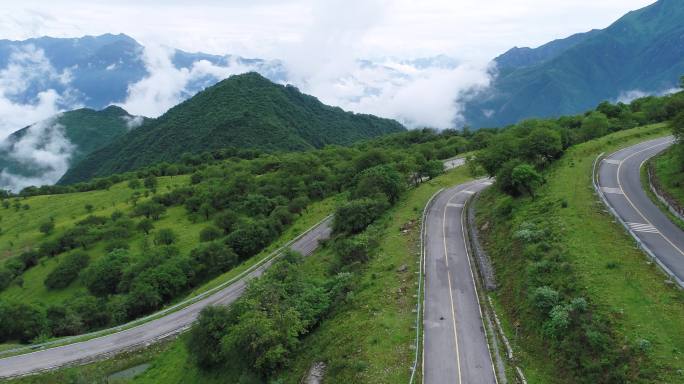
{"x": 157, "y": 329}
{"x": 151, "y": 331}
{"x": 619, "y": 182}
{"x": 455, "y": 346}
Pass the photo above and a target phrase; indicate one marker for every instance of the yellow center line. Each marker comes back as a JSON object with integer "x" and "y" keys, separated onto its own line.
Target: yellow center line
{"x": 630, "y": 201}
{"x": 451, "y": 298}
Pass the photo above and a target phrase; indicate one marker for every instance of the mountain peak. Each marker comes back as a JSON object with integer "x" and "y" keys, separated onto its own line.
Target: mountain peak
{"x": 243, "y": 111}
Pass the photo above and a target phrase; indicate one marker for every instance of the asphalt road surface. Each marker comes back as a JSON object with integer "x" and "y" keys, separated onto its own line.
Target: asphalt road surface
{"x": 157, "y": 329}
{"x": 620, "y": 183}
{"x": 455, "y": 346}
{"x": 147, "y": 332}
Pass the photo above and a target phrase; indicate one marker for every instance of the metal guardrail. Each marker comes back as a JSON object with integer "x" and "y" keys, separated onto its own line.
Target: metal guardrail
{"x": 419, "y": 305}
{"x": 138, "y": 322}
{"x": 640, "y": 244}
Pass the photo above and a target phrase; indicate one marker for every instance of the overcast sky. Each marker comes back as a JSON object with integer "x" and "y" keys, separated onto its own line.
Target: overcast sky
{"x": 466, "y": 29}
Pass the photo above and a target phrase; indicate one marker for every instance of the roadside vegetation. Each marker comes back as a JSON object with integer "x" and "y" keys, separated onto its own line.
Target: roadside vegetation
{"x": 668, "y": 167}
{"x": 80, "y": 261}
{"x": 350, "y": 307}
{"x": 575, "y": 292}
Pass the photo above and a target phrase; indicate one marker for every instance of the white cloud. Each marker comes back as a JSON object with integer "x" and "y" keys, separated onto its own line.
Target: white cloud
{"x": 28, "y": 68}
{"x": 166, "y": 85}
{"x": 133, "y": 122}
{"x": 633, "y": 94}
{"x": 44, "y": 149}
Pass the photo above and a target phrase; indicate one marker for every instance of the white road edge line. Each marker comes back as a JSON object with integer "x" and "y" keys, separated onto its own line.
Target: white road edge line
{"x": 477, "y": 296}
{"x": 630, "y": 200}
{"x": 451, "y": 298}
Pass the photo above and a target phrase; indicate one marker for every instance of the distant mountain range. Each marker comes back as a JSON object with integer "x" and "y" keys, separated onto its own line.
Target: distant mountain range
{"x": 100, "y": 69}
{"x": 641, "y": 53}
{"x": 243, "y": 111}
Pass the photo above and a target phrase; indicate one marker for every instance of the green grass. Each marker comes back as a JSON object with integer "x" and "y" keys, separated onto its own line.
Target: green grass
{"x": 670, "y": 172}
{"x": 20, "y": 228}
{"x": 172, "y": 355}
{"x": 369, "y": 339}
{"x": 313, "y": 214}
{"x": 66, "y": 210}
{"x": 616, "y": 276}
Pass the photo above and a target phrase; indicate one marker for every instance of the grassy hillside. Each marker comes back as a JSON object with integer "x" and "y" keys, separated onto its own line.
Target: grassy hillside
{"x": 641, "y": 51}
{"x": 588, "y": 256}
{"x": 245, "y": 111}
{"x": 382, "y": 301}
{"x": 668, "y": 170}
{"x": 66, "y": 210}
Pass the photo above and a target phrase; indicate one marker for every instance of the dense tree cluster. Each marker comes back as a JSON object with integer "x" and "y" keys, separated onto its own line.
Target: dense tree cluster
{"x": 246, "y": 200}
{"x": 259, "y": 332}
{"x": 517, "y": 155}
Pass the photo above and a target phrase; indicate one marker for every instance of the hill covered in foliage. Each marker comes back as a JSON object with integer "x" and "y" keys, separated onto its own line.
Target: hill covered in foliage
{"x": 243, "y": 111}
{"x": 641, "y": 53}
{"x": 42, "y": 152}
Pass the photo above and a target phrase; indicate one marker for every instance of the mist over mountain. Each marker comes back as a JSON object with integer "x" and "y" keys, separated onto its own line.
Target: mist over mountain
{"x": 243, "y": 111}
{"x": 641, "y": 53}
{"x": 42, "y": 152}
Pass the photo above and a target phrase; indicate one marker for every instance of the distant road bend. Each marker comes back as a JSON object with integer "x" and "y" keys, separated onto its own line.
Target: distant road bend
{"x": 619, "y": 181}
{"x": 147, "y": 332}
{"x": 159, "y": 328}
{"x": 455, "y": 346}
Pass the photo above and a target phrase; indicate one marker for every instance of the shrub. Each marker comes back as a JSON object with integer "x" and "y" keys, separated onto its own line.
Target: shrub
{"x": 354, "y": 250}
{"x": 21, "y": 321}
{"x": 165, "y": 236}
{"x": 249, "y": 238}
{"x": 209, "y": 233}
{"x": 6, "y": 278}
{"x": 47, "y": 227}
{"x": 102, "y": 277}
{"x": 67, "y": 271}
{"x": 204, "y": 342}
{"x": 354, "y": 216}
{"x": 145, "y": 225}
{"x": 212, "y": 259}
{"x": 226, "y": 221}
{"x": 545, "y": 298}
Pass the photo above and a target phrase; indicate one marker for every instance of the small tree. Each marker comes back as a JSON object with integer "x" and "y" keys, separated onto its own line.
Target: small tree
{"x": 226, "y": 220}
{"x": 164, "y": 236}
{"x": 67, "y": 271}
{"x": 89, "y": 208}
{"x": 150, "y": 182}
{"x": 47, "y": 227}
{"x": 146, "y": 225}
{"x": 209, "y": 233}
{"x": 134, "y": 184}
{"x": 526, "y": 179}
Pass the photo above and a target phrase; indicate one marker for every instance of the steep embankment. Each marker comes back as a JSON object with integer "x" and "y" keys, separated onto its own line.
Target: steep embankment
{"x": 562, "y": 246}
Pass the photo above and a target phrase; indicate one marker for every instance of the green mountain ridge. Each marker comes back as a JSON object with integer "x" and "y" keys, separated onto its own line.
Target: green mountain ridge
{"x": 70, "y": 135}
{"x": 246, "y": 111}
{"x": 642, "y": 51}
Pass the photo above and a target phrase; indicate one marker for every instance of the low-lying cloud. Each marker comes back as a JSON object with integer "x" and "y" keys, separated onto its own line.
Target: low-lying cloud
{"x": 40, "y": 157}
{"x": 631, "y": 95}
{"x": 29, "y": 70}
{"x": 326, "y": 63}
{"x": 165, "y": 85}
